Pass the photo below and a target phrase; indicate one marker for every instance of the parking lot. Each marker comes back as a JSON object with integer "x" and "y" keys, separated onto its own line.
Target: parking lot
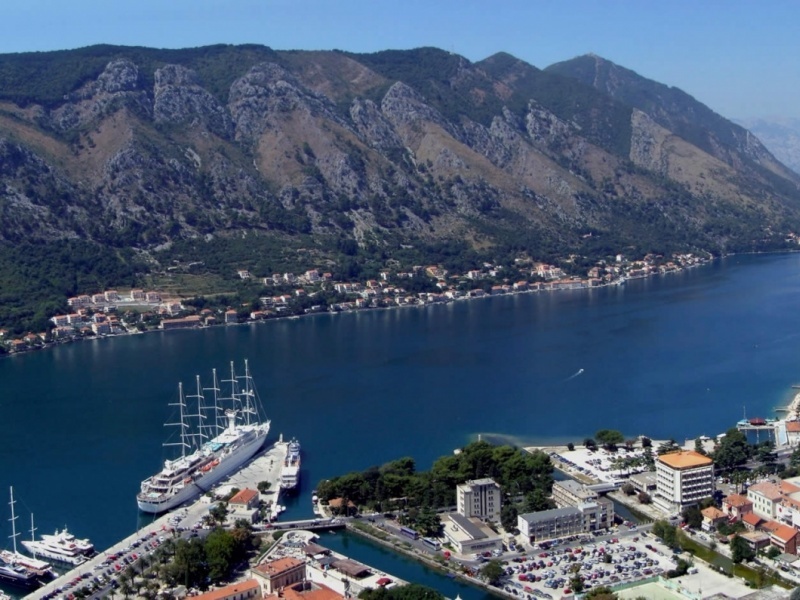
{"x": 547, "y": 571}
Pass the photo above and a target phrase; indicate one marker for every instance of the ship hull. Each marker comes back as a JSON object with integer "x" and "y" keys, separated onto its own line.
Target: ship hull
{"x": 54, "y": 556}
{"x": 195, "y": 489}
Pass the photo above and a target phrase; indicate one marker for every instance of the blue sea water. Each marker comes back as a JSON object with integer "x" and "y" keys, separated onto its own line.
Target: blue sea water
{"x": 672, "y": 356}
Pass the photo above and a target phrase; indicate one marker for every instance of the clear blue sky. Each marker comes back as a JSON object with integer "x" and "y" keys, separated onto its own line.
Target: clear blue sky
{"x": 740, "y": 57}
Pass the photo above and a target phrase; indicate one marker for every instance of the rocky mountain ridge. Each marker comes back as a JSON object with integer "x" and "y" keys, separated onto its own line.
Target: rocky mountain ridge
{"x": 134, "y": 148}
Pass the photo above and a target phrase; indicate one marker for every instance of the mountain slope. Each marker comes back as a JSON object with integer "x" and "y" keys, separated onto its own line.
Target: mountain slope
{"x": 355, "y": 159}
{"x": 678, "y": 112}
{"x": 780, "y": 136}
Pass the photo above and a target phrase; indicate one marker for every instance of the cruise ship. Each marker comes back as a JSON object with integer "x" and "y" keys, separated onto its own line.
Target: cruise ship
{"x": 62, "y": 547}
{"x": 215, "y": 437}
{"x": 290, "y": 472}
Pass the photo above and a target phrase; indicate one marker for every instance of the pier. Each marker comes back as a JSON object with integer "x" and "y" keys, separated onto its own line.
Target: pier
{"x": 266, "y": 466}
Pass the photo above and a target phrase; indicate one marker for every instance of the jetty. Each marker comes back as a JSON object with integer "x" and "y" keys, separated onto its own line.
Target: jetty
{"x": 266, "y": 466}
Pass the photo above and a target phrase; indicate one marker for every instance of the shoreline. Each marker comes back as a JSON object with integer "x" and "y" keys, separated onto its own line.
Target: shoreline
{"x": 615, "y": 283}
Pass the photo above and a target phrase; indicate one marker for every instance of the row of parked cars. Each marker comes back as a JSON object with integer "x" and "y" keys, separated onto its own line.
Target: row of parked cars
{"x": 107, "y": 571}
{"x": 606, "y": 564}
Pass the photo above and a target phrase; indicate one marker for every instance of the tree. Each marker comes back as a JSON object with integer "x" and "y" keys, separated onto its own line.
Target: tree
{"x": 773, "y": 552}
{"x": 698, "y": 446}
{"x": 576, "y": 583}
{"x": 492, "y": 571}
{"x": 609, "y": 438}
{"x": 218, "y": 513}
{"x": 601, "y": 593}
{"x": 740, "y": 550}
{"x": 220, "y": 549}
{"x": 733, "y": 451}
{"x": 667, "y": 447}
{"x": 646, "y": 442}
{"x": 570, "y": 446}
{"x": 590, "y": 444}
{"x": 693, "y": 517}
{"x": 628, "y": 489}
{"x": 412, "y": 591}
{"x": 508, "y": 517}
{"x": 666, "y": 532}
{"x": 263, "y": 486}
{"x": 644, "y": 498}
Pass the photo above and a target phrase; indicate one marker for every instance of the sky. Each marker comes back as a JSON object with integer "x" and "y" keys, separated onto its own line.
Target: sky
{"x": 741, "y": 58}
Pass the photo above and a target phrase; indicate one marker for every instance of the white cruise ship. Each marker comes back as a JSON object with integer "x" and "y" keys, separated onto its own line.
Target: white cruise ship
{"x": 61, "y": 547}
{"x": 290, "y": 472}
{"x": 216, "y": 438}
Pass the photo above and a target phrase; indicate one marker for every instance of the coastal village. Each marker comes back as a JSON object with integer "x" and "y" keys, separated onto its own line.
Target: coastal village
{"x": 114, "y": 312}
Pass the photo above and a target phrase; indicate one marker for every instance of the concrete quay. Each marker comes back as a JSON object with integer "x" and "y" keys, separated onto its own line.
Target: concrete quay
{"x": 266, "y": 466}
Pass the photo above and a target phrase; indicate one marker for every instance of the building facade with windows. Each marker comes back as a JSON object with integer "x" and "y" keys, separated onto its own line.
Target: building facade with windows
{"x": 479, "y": 498}
{"x": 683, "y": 478}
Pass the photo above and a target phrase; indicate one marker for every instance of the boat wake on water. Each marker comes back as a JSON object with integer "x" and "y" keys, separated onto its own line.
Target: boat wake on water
{"x": 574, "y": 375}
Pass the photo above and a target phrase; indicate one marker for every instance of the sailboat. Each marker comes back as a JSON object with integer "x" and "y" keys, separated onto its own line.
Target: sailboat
{"x": 238, "y": 431}
{"x": 18, "y": 569}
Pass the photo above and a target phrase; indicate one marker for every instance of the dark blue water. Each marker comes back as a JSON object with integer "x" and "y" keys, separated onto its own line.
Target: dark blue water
{"x": 400, "y": 565}
{"x": 674, "y": 356}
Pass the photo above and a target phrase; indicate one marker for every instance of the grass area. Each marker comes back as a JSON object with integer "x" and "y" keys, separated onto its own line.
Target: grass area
{"x": 370, "y": 530}
{"x": 757, "y": 578}
{"x": 187, "y": 285}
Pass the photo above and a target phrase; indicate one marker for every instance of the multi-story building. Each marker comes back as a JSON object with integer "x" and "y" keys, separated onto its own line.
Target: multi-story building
{"x": 479, "y": 498}
{"x": 571, "y": 493}
{"x": 766, "y": 498}
{"x": 549, "y": 524}
{"x": 683, "y": 478}
{"x": 279, "y": 573}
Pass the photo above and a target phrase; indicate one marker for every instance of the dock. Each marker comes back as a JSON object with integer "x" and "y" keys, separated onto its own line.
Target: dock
{"x": 266, "y": 466}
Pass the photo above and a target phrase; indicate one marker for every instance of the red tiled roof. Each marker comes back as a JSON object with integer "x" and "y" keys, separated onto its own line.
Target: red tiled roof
{"x": 788, "y": 488}
{"x": 752, "y": 519}
{"x": 767, "y": 489}
{"x": 244, "y": 496}
{"x": 278, "y": 566}
{"x": 793, "y": 426}
{"x": 230, "y": 590}
{"x": 785, "y": 533}
{"x": 736, "y": 500}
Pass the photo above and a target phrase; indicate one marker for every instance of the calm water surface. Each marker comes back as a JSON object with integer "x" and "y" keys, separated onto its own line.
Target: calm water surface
{"x": 676, "y": 356}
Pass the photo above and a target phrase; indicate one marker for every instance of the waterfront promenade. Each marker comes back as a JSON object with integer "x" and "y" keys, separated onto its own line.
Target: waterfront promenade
{"x": 136, "y": 547}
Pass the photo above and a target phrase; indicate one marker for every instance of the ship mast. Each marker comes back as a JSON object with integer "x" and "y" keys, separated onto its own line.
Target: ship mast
{"x": 234, "y": 398}
{"x": 13, "y": 518}
{"x": 33, "y": 530}
{"x": 200, "y": 433}
{"x": 218, "y": 420}
{"x": 182, "y": 405}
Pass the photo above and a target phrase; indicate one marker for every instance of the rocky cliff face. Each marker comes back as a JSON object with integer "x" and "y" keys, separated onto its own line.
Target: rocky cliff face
{"x": 379, "y": 149}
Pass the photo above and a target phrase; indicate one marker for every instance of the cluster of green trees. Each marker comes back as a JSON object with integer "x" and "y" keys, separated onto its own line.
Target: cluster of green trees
{"x": 37, "y": 279}
{"x": 412, "y": 591}
{"x": 398, "y": 484}
{"x": 198, "y": 561}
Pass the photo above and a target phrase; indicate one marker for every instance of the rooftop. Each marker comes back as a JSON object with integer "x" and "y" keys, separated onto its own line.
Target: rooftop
{"x": 244, "y": 497}
{"x": 736, "y": 500}
{"x": 470, "y": 528}
{"x": 767, "y": 489}
{"x": 785, "y": 533}
{"x": 229, "y": 590}
{"x": 553, "y": 513}
{"x": 277, "y": 566}
{"x": 685, "y": 459}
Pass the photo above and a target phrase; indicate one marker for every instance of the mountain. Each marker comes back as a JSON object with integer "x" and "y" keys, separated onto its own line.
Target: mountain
{"x": 780, "y": 135}
{"x": 231, "y": 157}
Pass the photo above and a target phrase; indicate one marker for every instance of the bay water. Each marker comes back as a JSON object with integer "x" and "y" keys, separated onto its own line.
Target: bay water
{"x": 673, "y": 356}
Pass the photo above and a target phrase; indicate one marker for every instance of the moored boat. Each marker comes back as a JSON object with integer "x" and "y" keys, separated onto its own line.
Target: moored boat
{"x": 62, "y": 547}
{"x": 290, "y": 472}
{"x": 215, "y": 440}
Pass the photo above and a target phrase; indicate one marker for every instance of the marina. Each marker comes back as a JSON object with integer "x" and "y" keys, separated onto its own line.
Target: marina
{"x": 137, "y": 546}
{"x": 355, "y": 372}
